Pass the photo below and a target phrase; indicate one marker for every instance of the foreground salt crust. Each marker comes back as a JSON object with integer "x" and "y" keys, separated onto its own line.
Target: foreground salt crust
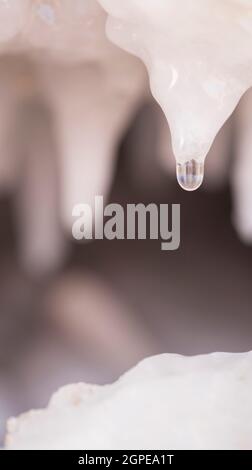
{"x": 166, "y": 402}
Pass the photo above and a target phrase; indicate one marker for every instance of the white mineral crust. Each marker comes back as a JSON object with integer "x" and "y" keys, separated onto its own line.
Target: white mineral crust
{"x": 199, "y": 58}
{"x": 166, "y": 402}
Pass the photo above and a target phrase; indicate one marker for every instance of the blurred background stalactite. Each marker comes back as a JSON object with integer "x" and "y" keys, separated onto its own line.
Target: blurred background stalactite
{"x": 112, "y": 303}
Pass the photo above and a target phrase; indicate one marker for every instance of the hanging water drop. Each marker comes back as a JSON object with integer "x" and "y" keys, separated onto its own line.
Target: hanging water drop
{"x": 190, "y": 174}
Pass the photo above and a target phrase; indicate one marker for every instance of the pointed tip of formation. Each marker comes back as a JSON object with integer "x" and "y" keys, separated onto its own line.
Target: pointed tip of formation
{"x": 190, "y": 174}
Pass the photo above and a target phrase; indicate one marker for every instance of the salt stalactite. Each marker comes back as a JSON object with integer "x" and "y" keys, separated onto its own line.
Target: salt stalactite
{"x": 13, "y": 15}
{"x": 15, "y": 83}
{"x": 91, "y": 110}
{"x": 54, "y": 28}
{"x": 93, "y": 102}
{"x": 41, "y": 240}
{"x": 7, "y": 166}
{"x": 85, "y": 151}
{"x": 199, "y": 61}
{"x": 62, "y": 28}
{"x": 218, "y": 158}
{"x": 93, "y": 89}
{"x": 242, "y": 170}
{"x": 27, "y": 165}
{"x": 166, "y": 402}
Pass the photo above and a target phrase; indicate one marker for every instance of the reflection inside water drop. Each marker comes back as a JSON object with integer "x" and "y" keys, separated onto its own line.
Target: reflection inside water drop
{"x": 190, "y": 174}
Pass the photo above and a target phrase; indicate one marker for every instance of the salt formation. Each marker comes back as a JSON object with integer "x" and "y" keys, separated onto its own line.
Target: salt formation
{"x": 218, "y": 162}
{"x": 92, "y": 105}
{"x": 13, "y": 14}
{"x": 199, "y": 61}
{"x": 93, "y": 88}
{"x": 90, "y": 87}
{"x": 241, "y": 179}
{"x": 166, "y": 402}
{"x": 198, "y": 58}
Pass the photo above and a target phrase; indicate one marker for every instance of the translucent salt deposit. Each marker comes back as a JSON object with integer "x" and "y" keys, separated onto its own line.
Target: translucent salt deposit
{"x": 199, "y": 60}
{"x": 13, "y": 14}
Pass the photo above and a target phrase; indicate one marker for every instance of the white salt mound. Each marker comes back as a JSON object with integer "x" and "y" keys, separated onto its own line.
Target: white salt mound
{"x": 165, "y": 402}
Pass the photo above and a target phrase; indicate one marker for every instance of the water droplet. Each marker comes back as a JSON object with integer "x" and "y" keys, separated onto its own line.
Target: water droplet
{"x": 190, "y": 174}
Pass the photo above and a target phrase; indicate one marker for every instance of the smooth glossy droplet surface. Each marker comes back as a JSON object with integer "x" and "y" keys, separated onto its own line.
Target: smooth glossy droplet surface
{"x": 190, "y": 174}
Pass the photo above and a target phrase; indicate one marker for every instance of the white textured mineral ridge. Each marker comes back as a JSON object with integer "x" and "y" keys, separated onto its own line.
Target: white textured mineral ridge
{"x": 166, "y": 402}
